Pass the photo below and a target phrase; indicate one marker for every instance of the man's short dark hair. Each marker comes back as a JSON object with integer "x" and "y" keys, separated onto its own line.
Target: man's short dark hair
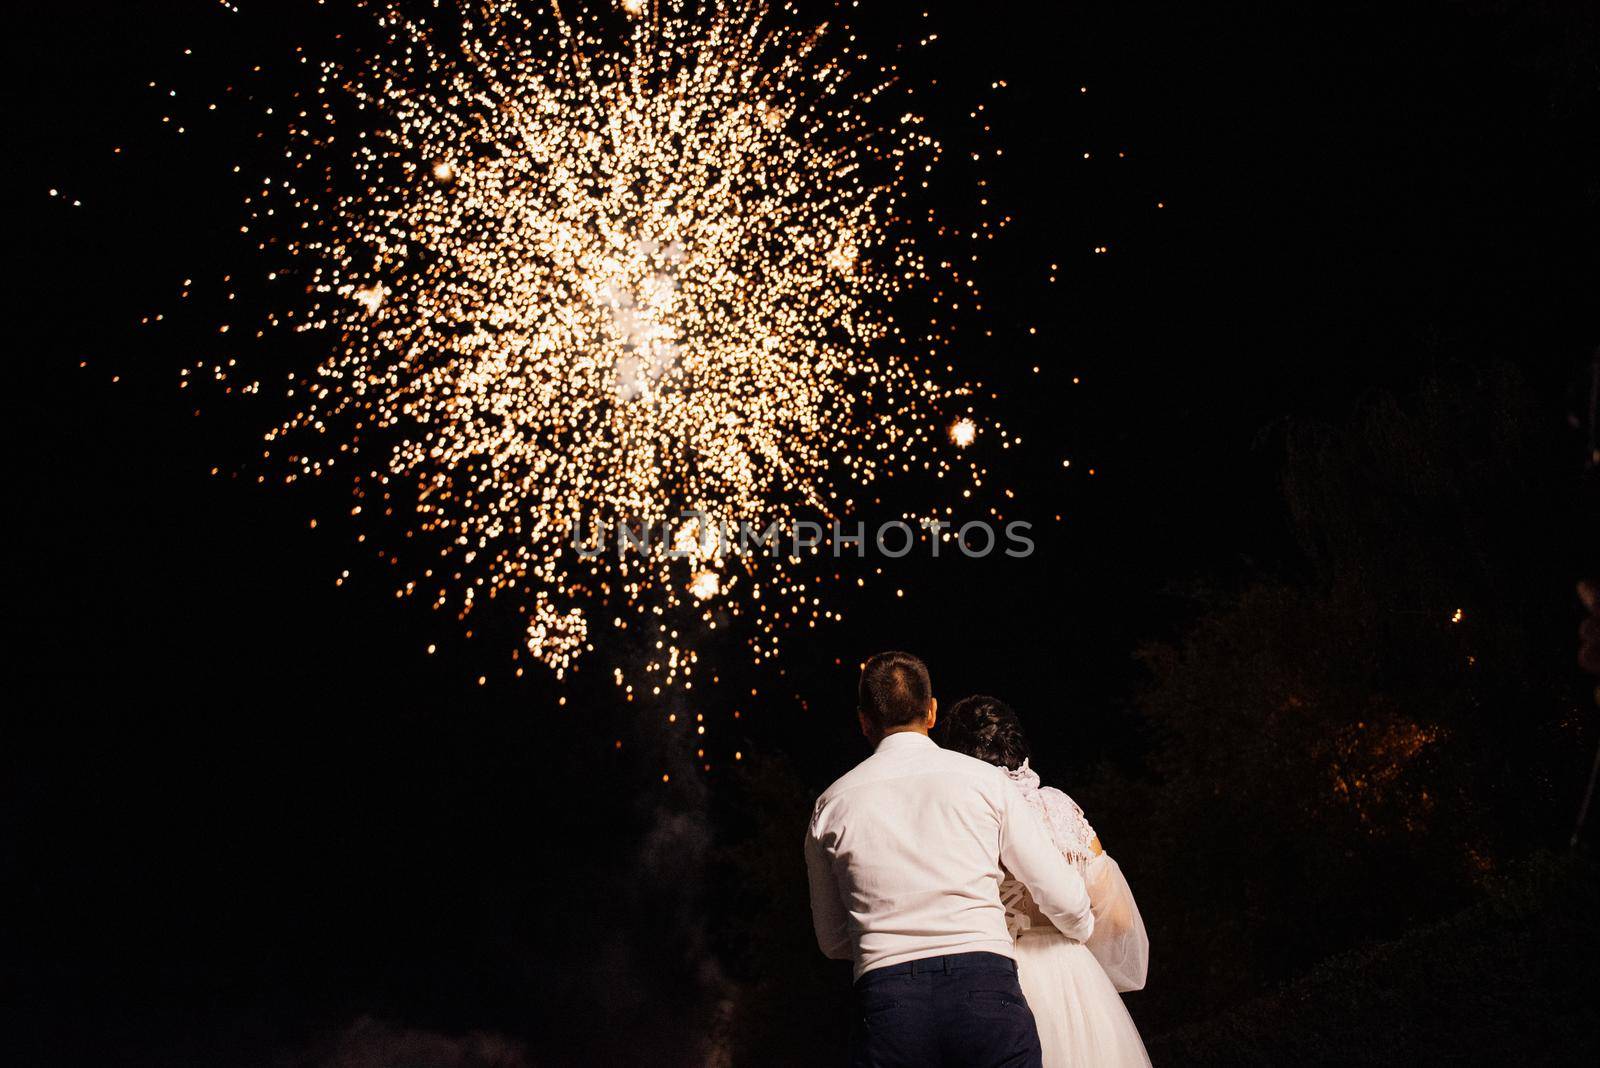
{"x": 894, "y": 690}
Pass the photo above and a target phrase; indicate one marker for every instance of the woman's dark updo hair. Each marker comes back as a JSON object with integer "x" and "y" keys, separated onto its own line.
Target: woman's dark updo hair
{"x": 986, "y": 728}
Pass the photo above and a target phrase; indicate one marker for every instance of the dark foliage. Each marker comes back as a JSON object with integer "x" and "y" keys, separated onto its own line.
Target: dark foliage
{"x": 788, "y": 1001}
{"x": 1350, "y": 749}
{"x": 1511, "y": 975}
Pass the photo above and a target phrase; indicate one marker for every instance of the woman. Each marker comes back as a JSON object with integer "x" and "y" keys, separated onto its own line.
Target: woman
{"x": 1071, "y": 986}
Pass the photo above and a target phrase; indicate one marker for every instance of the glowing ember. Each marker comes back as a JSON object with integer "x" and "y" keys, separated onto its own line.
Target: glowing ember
{"x": 963, "y": 432}
{"x": 369, "y": 297}
{"x": 706, "y": 585}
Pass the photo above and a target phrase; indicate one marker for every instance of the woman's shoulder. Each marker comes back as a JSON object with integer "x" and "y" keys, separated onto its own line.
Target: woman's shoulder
{"x": 1072, "y": 829}
{"x": 1059, "y": 798}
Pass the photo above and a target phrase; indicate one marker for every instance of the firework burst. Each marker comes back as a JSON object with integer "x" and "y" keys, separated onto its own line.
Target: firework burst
{"x": 579, "y": 269}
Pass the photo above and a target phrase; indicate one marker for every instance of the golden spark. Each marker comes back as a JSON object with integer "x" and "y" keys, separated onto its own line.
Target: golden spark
{"x": 706, "y": 585}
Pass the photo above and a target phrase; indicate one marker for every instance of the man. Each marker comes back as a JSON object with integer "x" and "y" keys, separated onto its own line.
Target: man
{"x": 906, "y": 854}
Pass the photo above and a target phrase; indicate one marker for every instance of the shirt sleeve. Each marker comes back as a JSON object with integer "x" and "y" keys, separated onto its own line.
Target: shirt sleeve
{"x": 1032, "y": 858}
{"x": 827, "y": 911}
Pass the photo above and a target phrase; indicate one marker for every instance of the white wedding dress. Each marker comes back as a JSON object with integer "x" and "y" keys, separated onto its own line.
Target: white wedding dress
{"x": 1071, "y": 986}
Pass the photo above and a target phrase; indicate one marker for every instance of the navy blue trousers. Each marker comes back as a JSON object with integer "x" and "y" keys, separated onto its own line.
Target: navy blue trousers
{"x": 961, "y": 1011}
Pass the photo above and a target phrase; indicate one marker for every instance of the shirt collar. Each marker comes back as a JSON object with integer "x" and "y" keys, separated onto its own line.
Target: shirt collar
{"x": 905, "y": 740}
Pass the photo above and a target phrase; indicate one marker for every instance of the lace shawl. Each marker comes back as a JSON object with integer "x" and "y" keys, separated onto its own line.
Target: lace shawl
{"x": 1069, "y": 829}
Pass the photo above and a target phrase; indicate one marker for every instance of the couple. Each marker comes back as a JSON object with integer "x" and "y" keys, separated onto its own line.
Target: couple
{"x": 986, "y": 925}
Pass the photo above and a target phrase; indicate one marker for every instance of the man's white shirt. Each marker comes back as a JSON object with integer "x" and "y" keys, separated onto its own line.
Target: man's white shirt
{"x": 906, "y": 853}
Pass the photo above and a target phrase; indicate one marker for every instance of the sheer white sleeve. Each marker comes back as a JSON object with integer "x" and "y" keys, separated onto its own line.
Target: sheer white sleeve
{"x": 1119, "y": 941}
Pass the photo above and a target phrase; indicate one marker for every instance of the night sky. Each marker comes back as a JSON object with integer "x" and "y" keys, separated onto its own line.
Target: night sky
{"x": 242, "y": 807}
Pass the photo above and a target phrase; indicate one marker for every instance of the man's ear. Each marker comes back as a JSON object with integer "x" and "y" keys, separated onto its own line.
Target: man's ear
{"x": 933, "y": 712}
{"x": 866, "y": 728}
